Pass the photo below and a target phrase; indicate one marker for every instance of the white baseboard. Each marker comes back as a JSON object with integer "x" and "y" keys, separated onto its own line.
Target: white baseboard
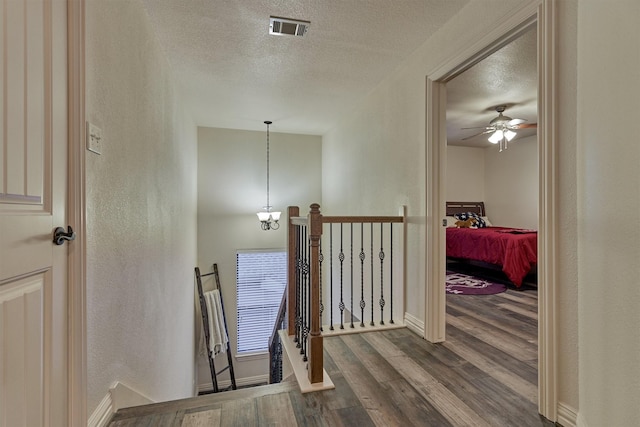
{"x": 123, "y": 396}
{"x": 567, "y": 416}
{"x": 414, "y": 324}
{"x": 240, "y": 382}
{"x": 119, "y": 396}
{"x": 357, "y": 329}
{"x": 103, "y": 413}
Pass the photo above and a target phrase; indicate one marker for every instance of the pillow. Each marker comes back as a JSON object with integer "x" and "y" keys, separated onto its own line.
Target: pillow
{"x": 480, "y": 223}
{"x": 451, "y": 221}
{"x": 486, "y": 221}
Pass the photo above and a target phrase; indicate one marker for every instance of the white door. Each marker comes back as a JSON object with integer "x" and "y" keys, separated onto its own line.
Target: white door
{"x": 33, "y": 171}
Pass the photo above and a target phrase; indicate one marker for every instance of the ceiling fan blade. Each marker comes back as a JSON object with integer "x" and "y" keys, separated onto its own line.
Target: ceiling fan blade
{"x": 514, "y": 122}
{"x": 477, "y": 134}
{"x": 479, "y": 127}
{"x": 526, "y": 126}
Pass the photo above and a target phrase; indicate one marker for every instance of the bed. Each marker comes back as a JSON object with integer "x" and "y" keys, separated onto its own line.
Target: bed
{"x": 512, "y": 250}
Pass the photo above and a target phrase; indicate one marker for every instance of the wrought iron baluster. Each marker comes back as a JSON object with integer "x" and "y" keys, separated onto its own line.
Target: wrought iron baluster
{"x": 275, "y": 373}
{"x": 362, "y": 257}
{"x": 298, "y": 320}
{"x": 307, "y": 328}
{"x": 372, "y": 323}
{"x": 301, "y": 288}
{"x": 305, "y": 295}
{"x": 351, "y": 281}
{"x": 341, "y": 258}
{"x": 391, "y": 273}
{"x": 321, "y": 258}
{"x": 275, "y": 348}
{"x": 331, "y": 276}
{"x": 381, "y": 255}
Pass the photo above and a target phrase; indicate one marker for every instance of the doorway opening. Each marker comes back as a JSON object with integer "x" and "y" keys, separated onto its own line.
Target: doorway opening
{"x": 542, "y": 16}
{"x": 491, "y": 301}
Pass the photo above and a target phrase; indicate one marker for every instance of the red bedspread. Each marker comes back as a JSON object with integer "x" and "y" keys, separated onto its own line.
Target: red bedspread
{"x": 512, "y": 248}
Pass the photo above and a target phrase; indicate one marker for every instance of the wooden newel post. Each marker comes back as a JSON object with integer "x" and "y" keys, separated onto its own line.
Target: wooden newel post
{"x": 314, "y": 222}
{"x": 293, "y": 211}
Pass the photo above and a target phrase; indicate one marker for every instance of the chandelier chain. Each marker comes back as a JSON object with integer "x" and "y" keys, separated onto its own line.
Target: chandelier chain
{"x": 268, "y": 219}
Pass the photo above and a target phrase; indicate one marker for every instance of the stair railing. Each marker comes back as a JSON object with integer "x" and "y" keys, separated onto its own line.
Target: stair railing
{"x": 275, "y": 343}
{"x": 305, "y": 308}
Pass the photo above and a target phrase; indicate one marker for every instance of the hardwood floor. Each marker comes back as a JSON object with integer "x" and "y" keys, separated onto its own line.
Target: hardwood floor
{"x": 484, "y": 375}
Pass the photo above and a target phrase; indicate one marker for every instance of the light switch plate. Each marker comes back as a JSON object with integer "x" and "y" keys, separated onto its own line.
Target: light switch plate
{"x": 94, "y": 138}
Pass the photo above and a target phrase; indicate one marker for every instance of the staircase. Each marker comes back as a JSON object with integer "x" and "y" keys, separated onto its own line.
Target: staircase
{"x": 205, "y": 410}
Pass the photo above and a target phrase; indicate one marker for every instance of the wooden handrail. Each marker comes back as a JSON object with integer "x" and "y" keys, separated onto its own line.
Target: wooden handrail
{"x": 298, "y": 220}
{"x": 360, "y": 219}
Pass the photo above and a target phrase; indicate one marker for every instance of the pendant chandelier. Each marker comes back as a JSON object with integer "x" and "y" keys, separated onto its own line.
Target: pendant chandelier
{"x": 268, "y": 219}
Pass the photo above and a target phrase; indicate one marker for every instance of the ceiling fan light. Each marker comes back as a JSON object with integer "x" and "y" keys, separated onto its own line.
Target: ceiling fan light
{"x": 509, "y": 134}
{"x": 275, "y": 216}
{"x": 496, "y": 136}
{"x": 264, "y": 216}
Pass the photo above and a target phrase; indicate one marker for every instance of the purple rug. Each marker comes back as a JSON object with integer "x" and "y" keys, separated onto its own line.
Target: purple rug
{"x": 462, "y": 284}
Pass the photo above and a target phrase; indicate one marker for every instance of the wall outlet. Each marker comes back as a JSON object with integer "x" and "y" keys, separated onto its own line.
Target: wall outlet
{"x": 94, "y": 138}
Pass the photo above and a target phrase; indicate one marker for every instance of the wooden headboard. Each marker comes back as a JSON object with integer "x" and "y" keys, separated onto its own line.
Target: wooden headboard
{"x": 461, "y": 207}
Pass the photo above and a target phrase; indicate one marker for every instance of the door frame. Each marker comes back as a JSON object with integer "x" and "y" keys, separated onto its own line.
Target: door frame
{"x": 76, "y": 297}
{"x": 542, "y": 14}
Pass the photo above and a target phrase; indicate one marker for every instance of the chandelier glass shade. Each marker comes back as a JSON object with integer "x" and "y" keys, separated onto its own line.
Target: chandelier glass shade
{"x": 503, "y": 126}
{"x": 268, "y": 218}
{"x": 502, "y": 136}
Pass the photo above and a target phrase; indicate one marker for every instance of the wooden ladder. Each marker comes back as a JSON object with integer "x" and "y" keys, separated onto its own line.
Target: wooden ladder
{"x": 207, "y": 332}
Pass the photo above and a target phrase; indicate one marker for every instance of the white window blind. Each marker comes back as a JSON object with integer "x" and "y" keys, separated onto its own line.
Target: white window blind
{"x": 261, "y": 280}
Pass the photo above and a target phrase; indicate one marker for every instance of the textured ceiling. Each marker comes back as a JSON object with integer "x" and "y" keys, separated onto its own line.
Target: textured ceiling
{"x": 507, "y": 77}
{"x": 235, "y": 75}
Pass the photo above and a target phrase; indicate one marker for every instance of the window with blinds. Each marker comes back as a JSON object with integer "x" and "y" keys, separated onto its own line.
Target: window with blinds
{"x": 261, "y": 280}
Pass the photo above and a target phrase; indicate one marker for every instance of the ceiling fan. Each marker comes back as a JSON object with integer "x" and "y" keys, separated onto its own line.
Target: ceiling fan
{"x": 502, "y": 128}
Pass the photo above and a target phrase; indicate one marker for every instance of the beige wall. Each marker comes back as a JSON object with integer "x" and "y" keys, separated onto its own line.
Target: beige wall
{"x": 511, "y": 184}
{"x": 465, "y": 174}
{"x": 506, "y": 181}
{"x": 389, "y": 126}
{"x": 141, "y": 212}
{"x": 608, "y": 187}
{"x": 231, "y": 189}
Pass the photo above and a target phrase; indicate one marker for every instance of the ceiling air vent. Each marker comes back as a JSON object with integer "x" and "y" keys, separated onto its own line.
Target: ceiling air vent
{"x": 287, "y": 27}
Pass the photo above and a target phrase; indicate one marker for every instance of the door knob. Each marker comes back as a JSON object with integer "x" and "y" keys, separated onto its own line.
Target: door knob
{"x": 59, "y": 235}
